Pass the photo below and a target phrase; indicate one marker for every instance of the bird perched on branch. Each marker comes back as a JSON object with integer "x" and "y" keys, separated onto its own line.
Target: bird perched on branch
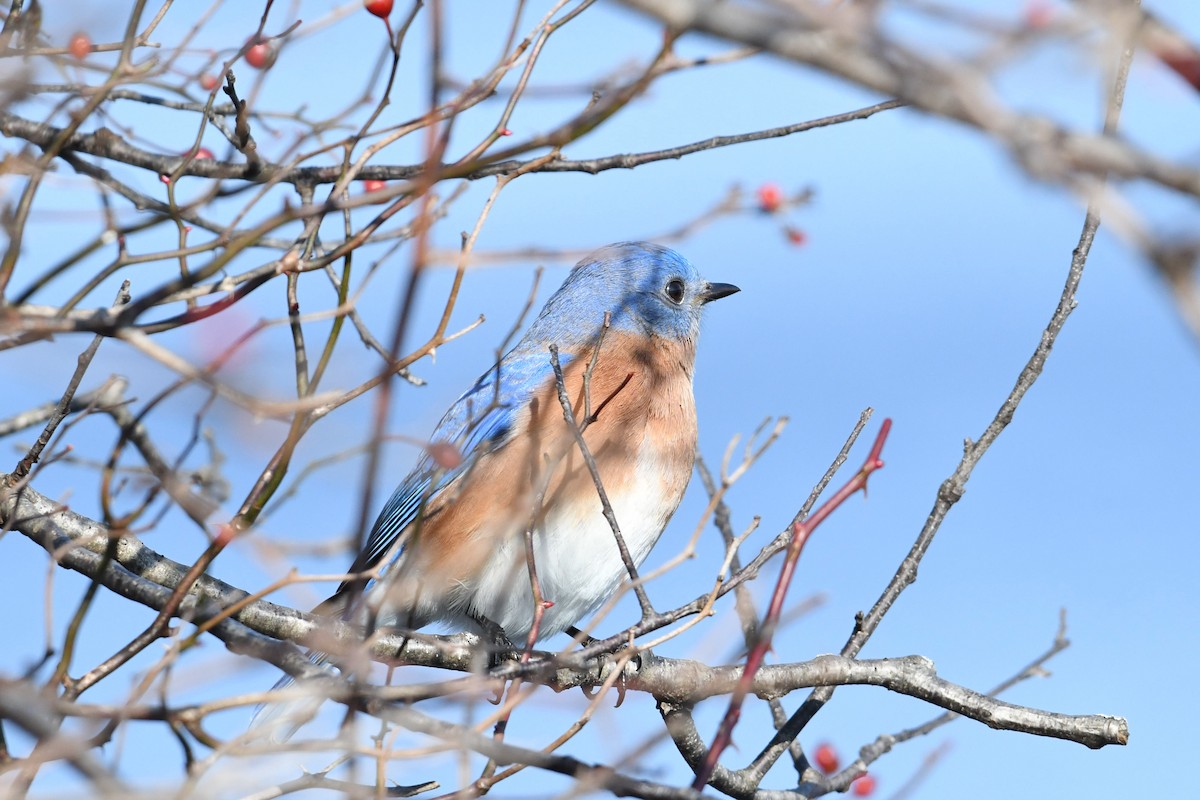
{"x": 452, "y": 537}
{"x": 505, "y": 483}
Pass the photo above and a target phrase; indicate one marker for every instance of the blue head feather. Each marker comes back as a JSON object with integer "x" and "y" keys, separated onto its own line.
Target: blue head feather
{"x": 645, "y": 288}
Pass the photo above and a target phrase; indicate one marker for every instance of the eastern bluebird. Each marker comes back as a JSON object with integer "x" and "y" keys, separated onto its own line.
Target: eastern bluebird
{"x": 503, "y": 460}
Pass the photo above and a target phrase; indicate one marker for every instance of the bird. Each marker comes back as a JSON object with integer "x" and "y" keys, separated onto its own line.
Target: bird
{"x": 449, "y": 546}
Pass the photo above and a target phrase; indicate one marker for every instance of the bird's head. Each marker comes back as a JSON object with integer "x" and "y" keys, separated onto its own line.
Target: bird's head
{"x": 645, "y": 288}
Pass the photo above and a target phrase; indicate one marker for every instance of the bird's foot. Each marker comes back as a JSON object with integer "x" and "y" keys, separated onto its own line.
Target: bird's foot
{"x": 620, "y": 664}
{"x": 494, "y": 638}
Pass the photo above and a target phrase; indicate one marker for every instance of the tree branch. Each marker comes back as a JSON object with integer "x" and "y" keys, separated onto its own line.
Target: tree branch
{"x": 257, "y": 628}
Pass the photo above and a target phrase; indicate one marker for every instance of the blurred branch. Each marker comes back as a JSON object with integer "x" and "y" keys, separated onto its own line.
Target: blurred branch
{"x": 846, "y": 42}
{"x": 64, "y": 404}
{"x": 102, "y": 397}
{"x": 21, "y": 705}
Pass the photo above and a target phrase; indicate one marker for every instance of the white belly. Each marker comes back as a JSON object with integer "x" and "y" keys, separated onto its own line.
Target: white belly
{"x": 576, "y": 556}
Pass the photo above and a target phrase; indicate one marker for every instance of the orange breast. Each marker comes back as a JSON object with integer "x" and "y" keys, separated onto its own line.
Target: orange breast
{"x": 639, "y": 394}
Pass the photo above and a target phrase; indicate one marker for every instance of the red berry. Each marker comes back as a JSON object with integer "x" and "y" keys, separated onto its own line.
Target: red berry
{"x": 202, "y": 152}
{"x": 208, "y": 82}
{"x": 864, "y": 786}
{"x": 80, "y": 45}
{"x": 380, "y": 8}
{"x": 795, "y": 235}
{"x": 373, "y": 185}
{"x": 770, "y": 198}
{"x": 260, "y": 55}
{"x": 826, "y": 758}
{"x": 1038, "y": 14}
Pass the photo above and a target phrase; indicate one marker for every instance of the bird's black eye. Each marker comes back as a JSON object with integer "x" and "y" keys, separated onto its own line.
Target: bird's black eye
{"x": 675, "y": 290}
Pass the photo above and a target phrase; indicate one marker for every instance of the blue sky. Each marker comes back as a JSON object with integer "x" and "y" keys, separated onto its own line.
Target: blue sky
{"x": 931, "y": 265}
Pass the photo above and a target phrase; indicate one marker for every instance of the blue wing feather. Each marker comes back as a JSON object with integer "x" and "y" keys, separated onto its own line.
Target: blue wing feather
{"x": 481, "y": 421}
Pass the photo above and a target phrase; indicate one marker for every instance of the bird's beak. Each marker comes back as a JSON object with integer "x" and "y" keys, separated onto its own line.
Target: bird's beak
{"x": 715, "y": 291}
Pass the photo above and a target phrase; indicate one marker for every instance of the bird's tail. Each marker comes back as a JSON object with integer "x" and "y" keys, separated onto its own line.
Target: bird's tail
{"x": 279, "y": 720}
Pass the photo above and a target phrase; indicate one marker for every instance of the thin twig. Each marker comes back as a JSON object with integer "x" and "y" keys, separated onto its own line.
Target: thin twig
{"x": 585, "y": 452}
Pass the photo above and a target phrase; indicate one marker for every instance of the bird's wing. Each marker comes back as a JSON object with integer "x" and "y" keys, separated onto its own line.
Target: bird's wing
{"x": 482, "y": 421}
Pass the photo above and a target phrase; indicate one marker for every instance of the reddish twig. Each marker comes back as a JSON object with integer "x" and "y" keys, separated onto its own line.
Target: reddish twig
{"x": 801, "y": 531}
